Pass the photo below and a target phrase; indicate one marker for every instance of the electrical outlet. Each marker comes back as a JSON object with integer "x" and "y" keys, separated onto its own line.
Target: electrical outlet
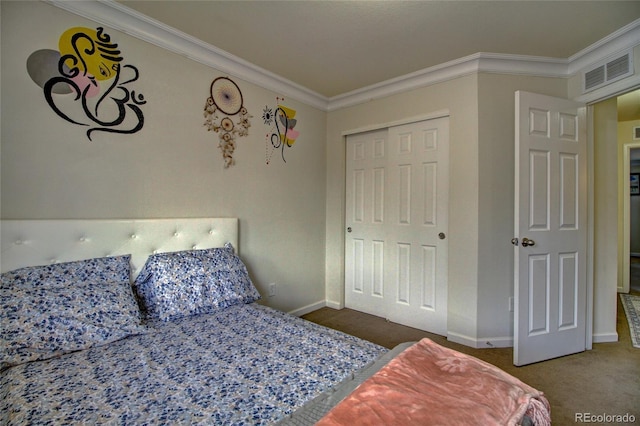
{"x": 272, "y": 289}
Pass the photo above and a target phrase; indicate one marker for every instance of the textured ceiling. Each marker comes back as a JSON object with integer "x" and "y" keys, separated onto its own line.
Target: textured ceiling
{"x": 334, "y": 47}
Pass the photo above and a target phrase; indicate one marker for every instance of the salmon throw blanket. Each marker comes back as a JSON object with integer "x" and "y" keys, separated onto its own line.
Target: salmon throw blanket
{"x": 429, "y": 384}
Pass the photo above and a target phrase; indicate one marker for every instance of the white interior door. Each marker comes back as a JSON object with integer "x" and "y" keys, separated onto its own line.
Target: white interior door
{"x": 550, "y": 228}
{"x": 396, "y": 217}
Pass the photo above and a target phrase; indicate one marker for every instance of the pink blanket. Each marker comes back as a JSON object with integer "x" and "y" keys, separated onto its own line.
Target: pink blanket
{"x": 429, "y": 384}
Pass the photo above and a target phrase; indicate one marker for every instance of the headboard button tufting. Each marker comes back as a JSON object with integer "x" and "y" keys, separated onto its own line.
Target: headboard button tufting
{"x": 38, "y": 242}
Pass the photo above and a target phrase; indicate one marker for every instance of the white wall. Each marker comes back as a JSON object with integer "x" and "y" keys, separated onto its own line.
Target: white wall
{"x": 605, "y": 200}
{"x": 172, "y": 167}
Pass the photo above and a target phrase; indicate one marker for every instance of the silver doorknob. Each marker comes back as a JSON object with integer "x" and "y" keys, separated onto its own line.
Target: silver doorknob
{"x": 349, "y": 229}
{"x": 527, "y": 242}
{"x": 442, "y": 236}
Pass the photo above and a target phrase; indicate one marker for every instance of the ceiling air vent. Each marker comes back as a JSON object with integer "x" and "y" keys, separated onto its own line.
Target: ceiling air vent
{"x": 608, "y": 71}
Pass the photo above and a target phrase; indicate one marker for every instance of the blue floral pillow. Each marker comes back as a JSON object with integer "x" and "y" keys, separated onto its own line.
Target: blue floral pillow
{"x": 177, "y": 284}
{"x": 46, "y": 311}
{"x": 107, "y": 269}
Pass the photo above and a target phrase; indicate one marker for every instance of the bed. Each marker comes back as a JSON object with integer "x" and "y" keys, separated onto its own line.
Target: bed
{"x": 157, "y": 322}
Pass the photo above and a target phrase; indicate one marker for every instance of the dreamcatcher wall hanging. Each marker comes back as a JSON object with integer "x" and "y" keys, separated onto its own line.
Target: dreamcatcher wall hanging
{"x": 282, "y": 134}
{"x": 226, "y": 115}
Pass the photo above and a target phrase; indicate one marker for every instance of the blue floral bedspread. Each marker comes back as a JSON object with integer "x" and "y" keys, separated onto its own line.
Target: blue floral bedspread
{"x": 245, "y": 365}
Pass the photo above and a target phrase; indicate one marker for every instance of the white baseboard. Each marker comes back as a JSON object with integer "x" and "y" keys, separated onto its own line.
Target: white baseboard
{"x": 605, "y": 338}
{"x": 334, "y": 305}
{"x": 507, "y": 342}
{"x": 487, "y": 342}
{"x": 482, "y": 343}
{"x": 309, "y": 308}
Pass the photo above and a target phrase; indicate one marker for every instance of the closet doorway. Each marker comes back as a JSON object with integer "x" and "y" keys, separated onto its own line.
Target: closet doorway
{"x": 396, "y": 213}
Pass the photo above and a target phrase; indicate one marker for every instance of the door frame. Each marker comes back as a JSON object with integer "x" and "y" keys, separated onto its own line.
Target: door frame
{"x": 590, "y": 99}
{"x": 380, "y": 126}
{"x": 590, "y": 227}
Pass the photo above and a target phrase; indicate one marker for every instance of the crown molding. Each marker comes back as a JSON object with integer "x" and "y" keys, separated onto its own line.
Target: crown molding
{"x": 625, "y": 38}
{"x": 124, "y": 19}
{"x": 472, "y": 64}
{"x": 121, "y": 18}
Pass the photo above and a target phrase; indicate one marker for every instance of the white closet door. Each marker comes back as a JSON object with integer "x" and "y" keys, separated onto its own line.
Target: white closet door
{"x": 396, "y": 218}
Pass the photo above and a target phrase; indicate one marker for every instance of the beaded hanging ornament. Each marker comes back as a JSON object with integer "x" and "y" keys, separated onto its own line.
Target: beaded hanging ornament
{"x": 223, "y": 105}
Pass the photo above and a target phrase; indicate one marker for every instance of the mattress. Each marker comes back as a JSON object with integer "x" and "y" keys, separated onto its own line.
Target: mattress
{"x": 246, "y": 364}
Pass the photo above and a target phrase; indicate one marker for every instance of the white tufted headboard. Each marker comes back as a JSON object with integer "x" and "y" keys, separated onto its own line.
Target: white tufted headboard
{"x": 39, "y": 242}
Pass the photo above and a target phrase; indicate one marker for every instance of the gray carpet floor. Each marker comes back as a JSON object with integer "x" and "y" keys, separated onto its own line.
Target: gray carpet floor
{"x": 604, "y": 380}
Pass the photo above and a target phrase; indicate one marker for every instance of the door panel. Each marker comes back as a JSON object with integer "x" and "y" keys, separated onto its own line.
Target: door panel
{"x": 396, "y": 208}
{"x": 568, "y": 288}
{"x": 550, "y": 210}
{"x": 365, "y": 216}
